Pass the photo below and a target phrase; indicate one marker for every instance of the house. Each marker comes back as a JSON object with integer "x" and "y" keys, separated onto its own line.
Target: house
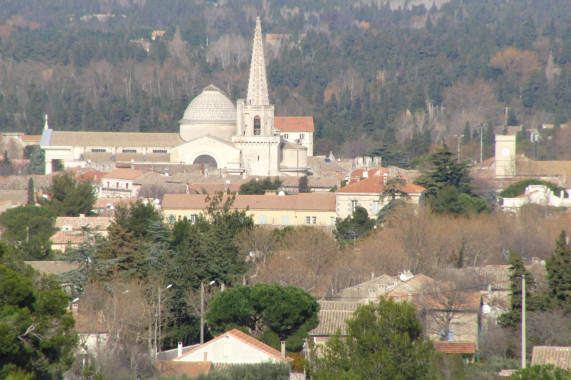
{"x": 93, "y": 335}
{"x": 447, "y": 313}
{"x": 297, "y": 130}
{"x": 234, "y": 347}
{"x": 120, "y": 183}
{"x": 539, "y": 195}
{"x": 466, "y": 349}
{"x": 332, "y": 319}
{"x": 317, "y": 184}
{"x": 559, "y": 357}
{"x": 72, "y": 231}
{"x": 277, "y": 210}
{"x": 57, "y": 268}
{"x": 368, "y": 291}
{"x": 368, "y": 193}
{"x": 107, "y": 206}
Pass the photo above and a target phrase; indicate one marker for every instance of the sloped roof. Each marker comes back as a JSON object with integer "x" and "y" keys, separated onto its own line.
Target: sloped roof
{"x": 304, "y": 201}
{"x": 213, "y": 188}
{"x": 558, "y": 356}
{"x": 333, "y": 316}
{"x": 170, "y": 368}
{"x": 93, "y": 222}
{"x": 118, "y": 139}
{"x": 67, "y": 238}
{"x": 294, "y": 124}
{"x": 104, "y": 202}
{"x": 91, "y": 175}
{"x": 127, "y": 174}
{"x": 52, "y": 267}
{"x": 455, "y": 347}
{"x": 375, "y": 184}
{"x": 245, "y": 338}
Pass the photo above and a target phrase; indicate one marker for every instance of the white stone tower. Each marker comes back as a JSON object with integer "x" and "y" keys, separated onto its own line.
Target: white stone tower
{"x": 255, "y": 118}
{"x": 505, "y": 156}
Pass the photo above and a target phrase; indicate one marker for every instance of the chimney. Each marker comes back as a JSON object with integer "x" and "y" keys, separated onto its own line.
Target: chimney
{"x": 205, "y": 356}
{"x": 283, "y": 349}
{"x": 179, "y": 349}
{"x": 372, "y": 275}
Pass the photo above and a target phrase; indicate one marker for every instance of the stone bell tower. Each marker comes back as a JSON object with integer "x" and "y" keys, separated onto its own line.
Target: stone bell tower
{"x": 255, "y": 118}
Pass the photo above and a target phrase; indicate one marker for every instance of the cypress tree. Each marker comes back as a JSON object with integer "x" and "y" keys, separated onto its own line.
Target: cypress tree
{"x": 31, "y": 192}
{"x": 558, "y": 269}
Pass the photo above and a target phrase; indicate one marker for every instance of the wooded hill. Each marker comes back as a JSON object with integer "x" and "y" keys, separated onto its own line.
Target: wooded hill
{"x": 377, "y": 79}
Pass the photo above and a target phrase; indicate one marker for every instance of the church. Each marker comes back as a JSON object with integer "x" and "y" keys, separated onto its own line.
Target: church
{"x": 244, "y": 139}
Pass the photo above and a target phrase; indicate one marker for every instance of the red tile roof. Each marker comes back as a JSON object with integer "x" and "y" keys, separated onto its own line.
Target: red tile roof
{"x": 170, "y": 368}
{"x": 375, "y": 184}
{"x": 294, "y": 124}
{"x": 456, "y": 347}
{"x": 250, "y": 340}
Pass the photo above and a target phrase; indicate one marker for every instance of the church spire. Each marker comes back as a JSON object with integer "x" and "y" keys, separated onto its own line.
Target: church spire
{"x": 258, "y": 84}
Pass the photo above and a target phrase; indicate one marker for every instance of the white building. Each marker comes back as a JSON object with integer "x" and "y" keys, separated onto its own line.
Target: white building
{"x": 239, "y": 139}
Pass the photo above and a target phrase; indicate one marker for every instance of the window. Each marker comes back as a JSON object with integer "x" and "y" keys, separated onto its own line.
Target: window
{"x": 129, "y": 150}
{"x": 262, "y": 219}
{"x": 97, "y": 150}
{"x": 116, "y": 185}
{"x": 162, "y": 151}
{"x": 308, "y": 220}
{"x": 285, "y": 220}
{"x": 257, "y": 126}
{"x": 286, "y": 136}
{"x": 354, "y": 204}
{"x": 302, "y": 136}
{"x": 192, "y": 218}
{"x": 332, "y": 220}
{"x": 127, "y": 186}
{"x": 314, "y": 220}
{"x": 375, "y": 207}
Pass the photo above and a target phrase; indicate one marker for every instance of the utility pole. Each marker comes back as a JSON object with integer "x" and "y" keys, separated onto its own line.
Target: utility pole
{"x": 201, "y": 312}
{"x": 459, "y": 137}
{"x": 523, "y": 348}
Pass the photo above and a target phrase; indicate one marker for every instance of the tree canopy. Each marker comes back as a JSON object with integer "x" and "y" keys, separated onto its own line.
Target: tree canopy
{"x": 255, "y": 186}
{"x": 35, "y": 326}
{"x": 384, "y": 341}
{"x": 69, "y": 197}
{"x": 282, "y": 310}
{"x": 354, "y": 226}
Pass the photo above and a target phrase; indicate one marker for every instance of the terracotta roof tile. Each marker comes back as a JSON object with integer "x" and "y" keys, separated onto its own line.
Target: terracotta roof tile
{"x": 456, "y": 347}
{"x": 375, "y": 184}
{"x": 294, "y": 124}
{"x": 119, "y": 139}
{"x": 52, "y": 267}
{"x": 250, "y": 340}
{"x": 99, "y": 223}
{"x": 170, "y": 368}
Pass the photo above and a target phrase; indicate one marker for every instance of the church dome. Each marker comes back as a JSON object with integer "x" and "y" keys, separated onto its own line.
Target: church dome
{"x": 210, "y": 107}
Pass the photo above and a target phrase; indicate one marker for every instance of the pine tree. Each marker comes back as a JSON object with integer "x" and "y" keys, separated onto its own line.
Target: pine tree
{"x": 558, "y": 268}
{"x": 513, "y": 317}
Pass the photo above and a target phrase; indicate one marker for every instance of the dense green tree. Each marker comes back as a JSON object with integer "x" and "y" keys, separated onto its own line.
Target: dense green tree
{"x": 35, "y": 327}
{"x": 384, "y": 341}
{"x": 255, "y": 186}
{"x": 303, "y": 186}
{"x": 354, "y": 226}
{"x": 37, "y": 160}
{"x": 518, "y": 188}
{"x": 31, "y": 198}
{"x": 513, "y": 317}
{"x": 25, "y": 223}
{"x": 69, "y": 197}
{"x": 541, "y": 372}
{"x": 282, "y": 310}
{"x": 558, "y": 267}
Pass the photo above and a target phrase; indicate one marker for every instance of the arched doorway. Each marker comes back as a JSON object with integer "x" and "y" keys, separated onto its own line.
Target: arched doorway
{"x": 206, "y": 160}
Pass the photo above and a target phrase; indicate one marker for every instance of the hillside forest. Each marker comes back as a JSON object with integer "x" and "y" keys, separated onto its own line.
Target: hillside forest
{"x": 379, "y": 78}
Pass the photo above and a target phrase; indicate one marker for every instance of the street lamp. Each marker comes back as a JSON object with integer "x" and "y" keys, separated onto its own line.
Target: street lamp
{"x": 459, "y": 137}
{"x": 159, "y": 320}
{"x": 202, "y": 309}
{"x": 481, "y": 127}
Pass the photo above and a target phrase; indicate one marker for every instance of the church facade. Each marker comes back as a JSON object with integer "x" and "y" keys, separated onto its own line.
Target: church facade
{"x": 236, "y": 139}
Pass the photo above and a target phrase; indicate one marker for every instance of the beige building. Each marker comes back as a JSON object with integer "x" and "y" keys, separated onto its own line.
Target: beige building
{"x": 278, "y": 210}
{"x": 120, "y": 183}
{"x": 368, "y": 192}
{"x": 214, "y": 133}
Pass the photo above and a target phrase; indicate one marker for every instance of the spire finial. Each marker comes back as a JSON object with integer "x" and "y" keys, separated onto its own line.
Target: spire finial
{"x": 258, "y": 84}
{"x": 46, "y": 126}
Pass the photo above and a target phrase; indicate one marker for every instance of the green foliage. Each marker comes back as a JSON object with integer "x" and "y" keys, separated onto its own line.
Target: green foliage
{"x": 449, "y": 187}
{"x": 541, "y": 372}
{"x": 517, "y": 270}
{"x": 304, "y": 185}
{"x": 30, "y": 228}
{"x": 281, "y": 309}
{"x": 255, "y": 186}
{"x": 558, "y": 268}
{"x": 353, "y": 227}
{"x": 31, "y": 198}
{"x": 69, "y": 197}
{"x": 387, "y": 333}
{"x": 35, "y": 327}
{"x": 37, "y": 159}
{"x": 264, "y": 371}
{"x": 518, "y": 188}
